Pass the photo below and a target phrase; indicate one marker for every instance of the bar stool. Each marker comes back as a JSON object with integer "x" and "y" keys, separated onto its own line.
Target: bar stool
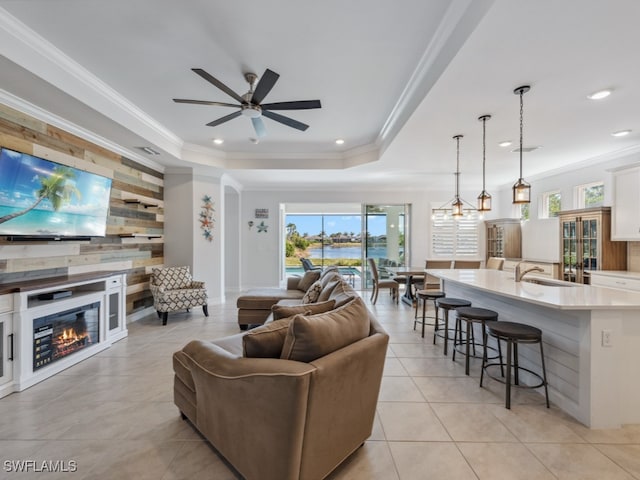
{"x": 471, "y": 315}
{"x": 447, "y": 303}
{"x": 425, "y": 296}
{"x": 514, "y": 334}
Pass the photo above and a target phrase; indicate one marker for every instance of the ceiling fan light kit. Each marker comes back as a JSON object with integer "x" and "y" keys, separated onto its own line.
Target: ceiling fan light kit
{"x": 250, "y": 104}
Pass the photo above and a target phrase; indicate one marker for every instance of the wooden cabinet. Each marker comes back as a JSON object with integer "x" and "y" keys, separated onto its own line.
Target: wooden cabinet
{"x": 585, "y": 244}
{"x": 504, "y": 239}
{"x": 625, "y": 223}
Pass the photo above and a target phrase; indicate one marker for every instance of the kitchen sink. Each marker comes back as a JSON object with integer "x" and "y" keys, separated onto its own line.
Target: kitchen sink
{"x": 548, "y": 283}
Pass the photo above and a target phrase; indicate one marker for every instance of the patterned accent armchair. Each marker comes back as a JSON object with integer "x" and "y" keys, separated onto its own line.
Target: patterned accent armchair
{"x": 174, "y": 289}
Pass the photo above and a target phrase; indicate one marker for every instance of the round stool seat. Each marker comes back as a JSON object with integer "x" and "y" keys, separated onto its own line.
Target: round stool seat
{"x": 472, "y": 315}
{"x": 513, "y": 334}
{"x": 450, "y": 303}
{"x": 476, "y": 313}
{"x": 516, "y": 331}
{"x": 430, "y": 294}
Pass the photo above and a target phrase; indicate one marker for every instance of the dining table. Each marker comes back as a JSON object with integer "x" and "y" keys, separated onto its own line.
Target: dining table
{"x": 408, "y": 272}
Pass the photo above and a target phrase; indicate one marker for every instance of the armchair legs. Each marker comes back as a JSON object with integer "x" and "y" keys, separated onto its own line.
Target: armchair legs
{"x": 165, "y": 315}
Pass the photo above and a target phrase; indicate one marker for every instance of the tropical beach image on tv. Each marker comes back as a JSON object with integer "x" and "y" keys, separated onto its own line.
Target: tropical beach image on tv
{"x": 43, "y": 198}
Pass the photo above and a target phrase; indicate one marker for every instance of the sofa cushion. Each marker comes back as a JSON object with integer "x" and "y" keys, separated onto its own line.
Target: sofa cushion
{"x": 311, "y": 296}
{"x": 325, "y": 294}
{"x": 283, "y": 311}
{"x": 264, "y": 298}
{"x": 309, "y": 278}
{"x": 267, "y": 340}
{"x": 342, "y": 293}
{"x": 331, "y": 277}
{"x": 312, "y": 337}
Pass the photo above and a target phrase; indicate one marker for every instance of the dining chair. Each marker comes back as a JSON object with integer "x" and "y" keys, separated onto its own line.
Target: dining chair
{"x": 392, "y": 285}
{"x": 459, "y": 264}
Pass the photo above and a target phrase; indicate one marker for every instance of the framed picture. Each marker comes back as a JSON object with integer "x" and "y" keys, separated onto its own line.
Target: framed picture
{"x": 262, "y": 213}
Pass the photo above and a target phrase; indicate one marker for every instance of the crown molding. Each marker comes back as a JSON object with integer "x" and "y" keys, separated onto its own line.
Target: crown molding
{"x": 31, "y": 51}
{"x": 460, "y": 20}
{"x": 38, "y": 113}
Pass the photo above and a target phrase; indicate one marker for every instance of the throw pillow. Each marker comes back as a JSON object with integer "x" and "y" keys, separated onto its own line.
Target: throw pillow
{"x": 283, "y": 311}
{"x": 327, "y": 289}
{"x": 308, "y": 279}
{"x": 331, "y": 277}
{"x": 266, "y": 341}
{"x": 311, "y": 295}
{"x": 312, "y": 337}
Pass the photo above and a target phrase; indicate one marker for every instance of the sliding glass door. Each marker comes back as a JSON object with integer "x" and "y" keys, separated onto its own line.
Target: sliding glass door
{"x": 385, "y": 228}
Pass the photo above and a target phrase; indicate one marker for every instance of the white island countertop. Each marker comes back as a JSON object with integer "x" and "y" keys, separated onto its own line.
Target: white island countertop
{"x": 566, "y": 297}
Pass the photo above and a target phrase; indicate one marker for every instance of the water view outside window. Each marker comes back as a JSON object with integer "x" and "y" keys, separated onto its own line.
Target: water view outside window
{"x": 323, "y": 239}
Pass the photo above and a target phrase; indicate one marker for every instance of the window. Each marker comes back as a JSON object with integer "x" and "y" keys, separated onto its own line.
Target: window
{"x": 551, "y": 204}
{"x": 452, "y": 238}
{"x": 590, "y": 195}
{"x": 524, "y": 211}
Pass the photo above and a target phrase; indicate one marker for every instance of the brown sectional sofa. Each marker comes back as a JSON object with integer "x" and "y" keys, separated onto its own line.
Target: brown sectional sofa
{"x": 254, "y": 306}
{"x": 294, "y": 417}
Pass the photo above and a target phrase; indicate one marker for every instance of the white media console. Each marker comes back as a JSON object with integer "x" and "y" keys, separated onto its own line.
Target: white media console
{"x": 49, "y": 325}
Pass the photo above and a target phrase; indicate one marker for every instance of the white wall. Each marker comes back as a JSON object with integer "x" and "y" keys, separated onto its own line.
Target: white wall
{"x": 184, "y": 242}
{"x": 261, "y": 251}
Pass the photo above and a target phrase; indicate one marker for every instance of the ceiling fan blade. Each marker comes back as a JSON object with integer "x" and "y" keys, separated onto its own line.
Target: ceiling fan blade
{"x": 265, "y": 84}
{"x": 205, "y": 102}
{"x": 226, "y": 118}
{"x": 298, "y": 105}
{"x": 219, "y": 84}
{"x": 258, "y": 126}
{"x": 289, "y": 122}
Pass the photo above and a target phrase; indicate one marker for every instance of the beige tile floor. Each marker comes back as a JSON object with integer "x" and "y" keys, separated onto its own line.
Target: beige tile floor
{"x": 113, "y": 415}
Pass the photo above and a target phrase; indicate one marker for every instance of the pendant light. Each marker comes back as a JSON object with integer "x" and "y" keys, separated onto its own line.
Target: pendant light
{"x": 484, "y": 199}
{"x": 521, "y": 189}
{"x": 457, "y": 205}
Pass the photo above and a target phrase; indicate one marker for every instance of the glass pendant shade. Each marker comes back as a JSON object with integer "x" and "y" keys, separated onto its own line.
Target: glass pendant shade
{"x": 521, "y": 192}
{"x": 484, "y": 201}
{"x": 457, "y": 208}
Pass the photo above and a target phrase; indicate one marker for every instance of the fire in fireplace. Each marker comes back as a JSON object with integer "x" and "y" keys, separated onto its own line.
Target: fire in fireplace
{"x": 58, "y": 335}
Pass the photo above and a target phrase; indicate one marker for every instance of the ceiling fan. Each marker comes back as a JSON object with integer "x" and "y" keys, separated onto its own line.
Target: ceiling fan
{"x": 250, "y": 104}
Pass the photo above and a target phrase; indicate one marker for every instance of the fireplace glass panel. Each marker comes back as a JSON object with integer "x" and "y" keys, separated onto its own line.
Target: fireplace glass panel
{"x": 58, "y": 335}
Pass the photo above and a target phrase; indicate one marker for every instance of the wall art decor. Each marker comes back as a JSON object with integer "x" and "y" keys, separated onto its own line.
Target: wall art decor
{"x": 262, "y": 213}
{"x": 262, "y": 227}
{"x": 206, "y": 218}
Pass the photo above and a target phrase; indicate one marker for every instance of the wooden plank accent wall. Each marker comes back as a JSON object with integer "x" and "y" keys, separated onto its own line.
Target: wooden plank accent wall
{"x": 137, "y": 254}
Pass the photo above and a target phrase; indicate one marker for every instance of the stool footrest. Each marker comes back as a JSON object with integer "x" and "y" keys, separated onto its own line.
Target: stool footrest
{"x": 519, "y": 385}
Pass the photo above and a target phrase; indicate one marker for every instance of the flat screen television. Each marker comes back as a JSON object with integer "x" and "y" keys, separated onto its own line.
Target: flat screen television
{"x": 41, "y": 198}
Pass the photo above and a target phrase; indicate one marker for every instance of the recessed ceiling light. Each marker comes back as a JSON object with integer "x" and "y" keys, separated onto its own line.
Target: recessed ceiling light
{"x": 340, "y": 141}
{"x": 255, "y": 141}
{"x": 506, "y": 143}
{"x": 621, "y": 133}
{"x": 218, "y": 141}
{"x": 599, "y": 95}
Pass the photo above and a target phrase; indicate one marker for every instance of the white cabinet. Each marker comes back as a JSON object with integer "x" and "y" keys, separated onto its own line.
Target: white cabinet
{"x": 116, "y": 327}
{"x": 6, "y": 340}
{"x": 625, "y": 223}
{"x": 619, "y": 280}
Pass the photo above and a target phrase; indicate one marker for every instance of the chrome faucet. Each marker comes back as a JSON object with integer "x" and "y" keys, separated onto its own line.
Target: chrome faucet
{"x": 519, "y": 275}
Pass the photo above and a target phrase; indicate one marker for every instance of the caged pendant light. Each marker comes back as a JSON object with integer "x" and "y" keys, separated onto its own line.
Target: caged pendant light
{"x": 521, "y": 189}
{"x": 457, "y": 206}
{"x": 484, "y": 199}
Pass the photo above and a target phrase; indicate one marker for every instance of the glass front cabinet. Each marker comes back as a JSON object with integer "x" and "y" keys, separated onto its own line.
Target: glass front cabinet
{"x": 585, "y": 244}
{"x": 504, "y": 238}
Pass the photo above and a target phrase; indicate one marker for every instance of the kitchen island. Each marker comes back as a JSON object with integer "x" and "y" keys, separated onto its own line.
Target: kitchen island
{"x": 591, "y": 338}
